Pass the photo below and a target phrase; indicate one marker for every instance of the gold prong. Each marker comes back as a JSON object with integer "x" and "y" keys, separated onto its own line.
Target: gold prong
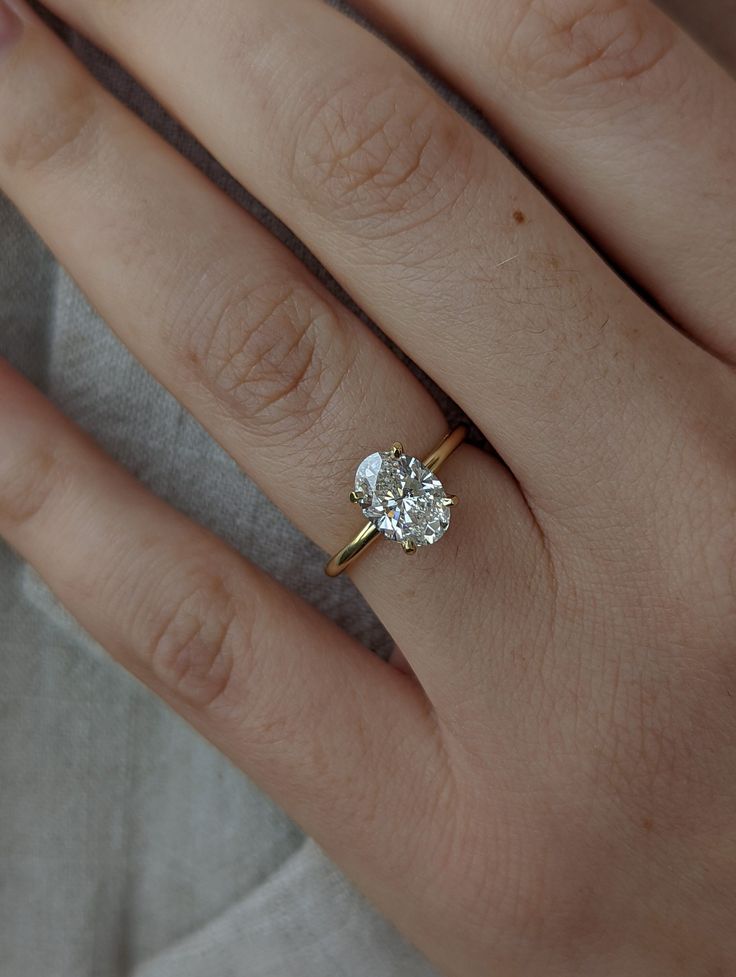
{"x": 409, "y": 546}
{"x": 450, "y": 500}
{"x": 356, "y": 497}
{"x": 397, "y": 449}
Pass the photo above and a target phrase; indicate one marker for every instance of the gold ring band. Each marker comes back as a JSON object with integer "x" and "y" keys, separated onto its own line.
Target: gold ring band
{"x": 370, "y": 533}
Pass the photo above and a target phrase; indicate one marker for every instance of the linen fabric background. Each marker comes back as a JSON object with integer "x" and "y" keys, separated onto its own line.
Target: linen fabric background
{"x": 129, "y": 846}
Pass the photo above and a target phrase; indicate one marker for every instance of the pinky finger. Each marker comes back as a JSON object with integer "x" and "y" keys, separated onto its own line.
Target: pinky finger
{"x": 342, "y": 741}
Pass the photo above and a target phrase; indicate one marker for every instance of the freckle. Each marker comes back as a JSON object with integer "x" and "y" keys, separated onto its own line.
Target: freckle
{"x": 519, "y": 216}
{"x": 647, "y": 824}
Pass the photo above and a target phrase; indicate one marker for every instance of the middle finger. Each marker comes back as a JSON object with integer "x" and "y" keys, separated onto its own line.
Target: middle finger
{"x": 433, "y": 231}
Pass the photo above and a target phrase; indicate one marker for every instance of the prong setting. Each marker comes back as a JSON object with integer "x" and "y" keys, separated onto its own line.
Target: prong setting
{"x": 402, "y": 497}
{"x": 397, "y": 449}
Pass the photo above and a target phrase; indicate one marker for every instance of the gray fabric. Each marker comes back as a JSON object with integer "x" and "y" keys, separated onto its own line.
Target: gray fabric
{"x": 127, "y": 844}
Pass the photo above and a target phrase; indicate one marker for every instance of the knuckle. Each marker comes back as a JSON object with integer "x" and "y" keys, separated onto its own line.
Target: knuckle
{"x": 388, "y": 154}
{"x": 274, "y": 354}
{"x": 55, "y": 124}
{"x": 582, "y": 45}
{"x": 190, "y": 648}
{"x": 26, "y": 485}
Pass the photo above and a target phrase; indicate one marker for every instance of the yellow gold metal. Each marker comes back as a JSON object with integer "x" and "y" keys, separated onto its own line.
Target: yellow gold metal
{"x": 397, "y": 449}
{"x": 369, "y": 533}
{"x": 409, "y": 546}
{"x": 451, "y": 500}
{"x": 356, "y": 497}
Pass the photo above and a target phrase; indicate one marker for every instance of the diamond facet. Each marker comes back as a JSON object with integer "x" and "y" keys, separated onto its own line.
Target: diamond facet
{"x": 402, "y": 498}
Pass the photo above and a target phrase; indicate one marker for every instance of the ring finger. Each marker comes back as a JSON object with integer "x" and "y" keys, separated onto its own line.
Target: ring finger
{"x": 280, "y": 373}
{"x": 438, "y": 236}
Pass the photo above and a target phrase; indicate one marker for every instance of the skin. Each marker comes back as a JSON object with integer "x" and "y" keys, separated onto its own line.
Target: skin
{"x": 553, "y": 790}
{"x": 712, "y": 21}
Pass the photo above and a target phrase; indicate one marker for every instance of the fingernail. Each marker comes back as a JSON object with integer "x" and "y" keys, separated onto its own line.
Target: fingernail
{"x": 10, "y": 26}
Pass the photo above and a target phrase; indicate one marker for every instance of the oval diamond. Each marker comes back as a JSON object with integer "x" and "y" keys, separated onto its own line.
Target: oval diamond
{"x": 402, "y": 498}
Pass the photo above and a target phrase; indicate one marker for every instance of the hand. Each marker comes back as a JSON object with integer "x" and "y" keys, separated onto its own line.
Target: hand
{"x": 552, "y": 790}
